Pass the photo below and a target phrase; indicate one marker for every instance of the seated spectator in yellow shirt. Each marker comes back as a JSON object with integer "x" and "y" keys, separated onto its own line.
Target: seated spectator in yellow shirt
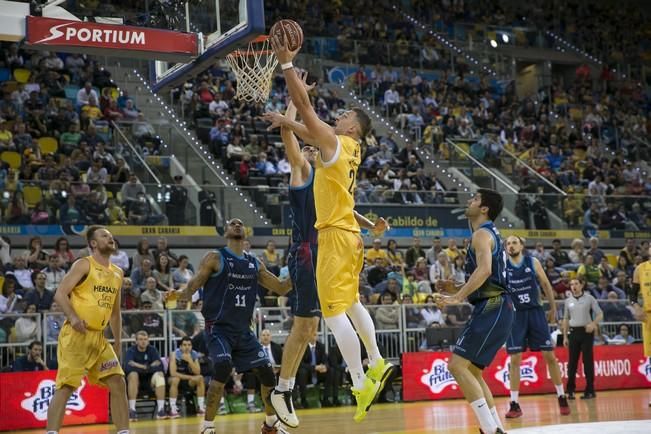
{"x": 452, "y": 251}
{"x": 377, "y": 252}
{"x": 91, "y": 111}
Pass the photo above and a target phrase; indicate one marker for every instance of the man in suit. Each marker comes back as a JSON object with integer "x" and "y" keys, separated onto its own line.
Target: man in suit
{"x": 315, "y": 369}
{"x": 272, "y": 350}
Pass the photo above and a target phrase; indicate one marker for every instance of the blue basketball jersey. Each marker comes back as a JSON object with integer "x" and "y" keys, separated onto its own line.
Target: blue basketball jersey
{"x": 523, "y": 284}
{"x": 229, "y": 296}
{"x": 303, "y": 212}
{"x": 496, "y": 283}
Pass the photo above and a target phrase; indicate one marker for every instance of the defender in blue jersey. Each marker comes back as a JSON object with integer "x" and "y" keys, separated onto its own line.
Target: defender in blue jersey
{"x": 492, "y": 315}
{"x": 525, "y": 276}
{"x": 230, "y": 279}
{"x": 301, "y": 261}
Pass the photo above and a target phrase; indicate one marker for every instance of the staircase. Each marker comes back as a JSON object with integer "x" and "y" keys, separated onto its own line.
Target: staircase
{"x": 182, "y": 143}
{"x": 445, "y": 171}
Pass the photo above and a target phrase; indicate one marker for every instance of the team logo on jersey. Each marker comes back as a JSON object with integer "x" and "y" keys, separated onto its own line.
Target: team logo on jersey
{"x": 528, "y": 373}
{"x": 438, "y": 378}
{"x": 39, "y": 402}
{"x": 645, "y": 368}
{"x": 527, "y": 270}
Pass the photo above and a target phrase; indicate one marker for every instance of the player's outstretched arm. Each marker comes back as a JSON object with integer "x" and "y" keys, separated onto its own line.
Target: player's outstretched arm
{"x": 77, "y": 273}
{"x": 211, "y": 263}
{"x": 270, "y": 281}
{"x": 322, "y": 133}
{"x": 547, "y": 289}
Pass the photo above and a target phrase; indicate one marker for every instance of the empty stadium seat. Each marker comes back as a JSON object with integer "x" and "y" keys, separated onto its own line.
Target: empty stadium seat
{"x": 48, "y": 145}
{"x": 22, "y": 75}
{"x": 12, "y": 158}
{"x": 5, "y": 74}
{"x": 32, "y": 195}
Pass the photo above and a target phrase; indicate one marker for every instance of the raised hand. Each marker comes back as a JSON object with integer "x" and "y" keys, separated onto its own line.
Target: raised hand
{"x": 276, "y": 119}
{"x": 282, "y": 52}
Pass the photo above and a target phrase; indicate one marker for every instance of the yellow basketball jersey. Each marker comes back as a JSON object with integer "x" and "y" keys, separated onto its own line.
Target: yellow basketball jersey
{"x": 334, "y": 187}
{"x": 93, "y": 299}
{"x": 644, "y": 274}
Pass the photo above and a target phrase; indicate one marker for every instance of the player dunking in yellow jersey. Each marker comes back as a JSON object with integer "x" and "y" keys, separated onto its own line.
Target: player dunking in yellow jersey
{"x": 341, "y": 251}
{"x": 642, "y": 301}
{"x": 89, "y": 295}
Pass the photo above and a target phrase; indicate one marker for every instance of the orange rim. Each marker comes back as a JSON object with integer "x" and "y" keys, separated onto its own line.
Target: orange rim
{"x": 247, "y": 53}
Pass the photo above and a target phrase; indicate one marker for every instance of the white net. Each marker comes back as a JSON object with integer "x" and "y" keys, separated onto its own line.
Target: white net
{"x": 254, "y": 68}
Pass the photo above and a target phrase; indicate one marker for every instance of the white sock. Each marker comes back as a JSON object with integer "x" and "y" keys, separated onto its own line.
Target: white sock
{"x": 250, "y": 398}
{"x": 173, "y": 404}
{"x": 221, "y": 401}
{"x": 484, "y": 416}
{"x": 292, "y": 382}
{"x": 52, "y": 432}
{"x": 124, "y": 431}
{"x": 201, "y": 402}
{"x": 207, "y": 424}
{"x": 515, "y": 394}
{"x": 270, "y": 420}
{"x": 366, "y": 329}
{"x": 496, "y": 417}
{"x": 348, "y": 344}
{"x": 161, "y": 404}
{"x": 559, "y": 389}
{"x": 283, "y": 385}
{"x": 132, "y": 405}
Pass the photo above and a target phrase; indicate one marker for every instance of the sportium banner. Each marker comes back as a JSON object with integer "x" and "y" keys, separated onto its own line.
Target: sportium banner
{"x": 25, "y": 398}
{"x": 426, "y": 375}
{"x": 94, "y": 38}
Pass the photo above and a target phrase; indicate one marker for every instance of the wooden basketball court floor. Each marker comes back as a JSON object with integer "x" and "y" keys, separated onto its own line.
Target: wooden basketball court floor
{"x": 441, "y": 417}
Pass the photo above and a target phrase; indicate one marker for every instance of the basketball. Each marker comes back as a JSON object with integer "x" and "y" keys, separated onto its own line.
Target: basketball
{"x": 290, "y": 31}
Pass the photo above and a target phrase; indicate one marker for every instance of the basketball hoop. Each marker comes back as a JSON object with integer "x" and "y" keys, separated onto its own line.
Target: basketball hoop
{"x": 253, "y": 67}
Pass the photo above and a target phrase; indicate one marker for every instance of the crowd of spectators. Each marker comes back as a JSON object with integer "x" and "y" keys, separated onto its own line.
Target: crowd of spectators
{"x": 388, "y": 173}
{"x": 59, "y": 163}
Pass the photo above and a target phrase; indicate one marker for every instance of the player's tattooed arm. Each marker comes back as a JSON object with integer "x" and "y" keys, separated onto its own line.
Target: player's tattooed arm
{"x": 270, "y": 281}
{"x": 116, "y": 324}
{"x": 77, "y": 273}
{"x": 211, "y": 263}
{"x": 482, "y": 243}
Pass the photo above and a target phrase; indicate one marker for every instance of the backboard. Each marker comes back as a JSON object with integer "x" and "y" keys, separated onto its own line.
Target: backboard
{"x": 223, "y": 25}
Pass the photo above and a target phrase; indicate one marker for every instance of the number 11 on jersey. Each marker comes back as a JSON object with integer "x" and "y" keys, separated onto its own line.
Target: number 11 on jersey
{"x": 240, "y": 300}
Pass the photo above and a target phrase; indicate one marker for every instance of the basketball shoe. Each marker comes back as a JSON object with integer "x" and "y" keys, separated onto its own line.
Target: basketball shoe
{"x": 365, "y": 398}
{"x": 284, "y": 408}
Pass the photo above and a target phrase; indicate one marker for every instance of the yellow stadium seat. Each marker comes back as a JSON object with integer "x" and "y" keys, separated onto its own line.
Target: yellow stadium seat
{"x": 12, "y": 158}
{"x": 48, "y": 145}
{"x": 612, "y": 260}
{"x": 22, "y": 75}
{"x": 2, "y": 282}
{"x": 32, "y": 195}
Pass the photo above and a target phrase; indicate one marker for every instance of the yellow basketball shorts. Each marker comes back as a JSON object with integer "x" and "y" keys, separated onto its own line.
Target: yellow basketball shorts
{"x": 646, "y": 335}
{"x": 84, "y": 354}
{"x": 339, "y": 261}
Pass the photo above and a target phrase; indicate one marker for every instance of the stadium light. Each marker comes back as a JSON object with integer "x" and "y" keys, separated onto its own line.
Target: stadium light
{"x": 505, "y": 38}
{"x": 493, "y": 43}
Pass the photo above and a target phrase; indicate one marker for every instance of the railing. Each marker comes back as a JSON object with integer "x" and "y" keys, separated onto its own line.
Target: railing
{"x": 423, "y": 56}
{"x": 405, "y": 331}
{"x": 431, "y": 208}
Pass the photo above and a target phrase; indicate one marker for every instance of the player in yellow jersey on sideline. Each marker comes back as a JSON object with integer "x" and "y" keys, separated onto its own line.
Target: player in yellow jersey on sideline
{"x": 89, "y": 295}
{"x": 641, "y": 300}
{"x": 341, "y": 250}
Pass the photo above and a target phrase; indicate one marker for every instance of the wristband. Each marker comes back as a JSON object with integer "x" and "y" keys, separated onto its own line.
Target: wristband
{"x": 287, "y": 65}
